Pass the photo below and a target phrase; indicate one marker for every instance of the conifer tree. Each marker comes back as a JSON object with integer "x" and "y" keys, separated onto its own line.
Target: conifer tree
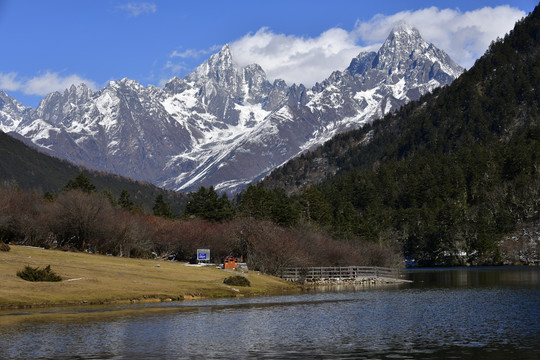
{"x": 125, "y": 201}
{"x": 110, "y": 196}
{"x": 208, "y": 205}
{"x": 162, "y": 208}
{"x": 81, "y": 183}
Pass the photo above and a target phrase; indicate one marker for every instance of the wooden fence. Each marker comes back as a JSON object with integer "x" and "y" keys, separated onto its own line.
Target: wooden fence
{"x": 337, "y": 273}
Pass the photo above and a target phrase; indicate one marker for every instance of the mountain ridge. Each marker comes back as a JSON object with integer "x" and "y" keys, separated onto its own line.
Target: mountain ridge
{"x": 31, "y": 170}
{"x": 222, "y": 125}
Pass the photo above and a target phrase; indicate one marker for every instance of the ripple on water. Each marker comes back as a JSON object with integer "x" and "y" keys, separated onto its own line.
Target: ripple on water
{"x": 435, "y": 319}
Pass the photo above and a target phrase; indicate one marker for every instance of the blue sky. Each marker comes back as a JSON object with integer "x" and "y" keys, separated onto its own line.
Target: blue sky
{"x": 47, "y": 45}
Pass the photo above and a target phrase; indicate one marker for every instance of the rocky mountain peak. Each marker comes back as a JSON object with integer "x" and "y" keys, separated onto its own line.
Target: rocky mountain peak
{"x": 255, "y": 82}
{"x": 404, "y": 28}
{"x": 225, "y": 53}
{"x": 219, "y": 68}
{"x": 125, "y": 82}
{"x": 405, "y": 55}
{"x": 399, "y": 45}
{"x": 254, "y": 70}
{"x": 361, "y": 63}
{"x": 223, "y": 60}
{"x": 176, "y": 85}
{"x": 11, "y": 112}
{"x": 77, "y": 94}
{"x": 6, "y": 100}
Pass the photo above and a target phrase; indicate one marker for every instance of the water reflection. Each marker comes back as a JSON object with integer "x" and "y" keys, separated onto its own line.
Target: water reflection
{"x": 453, "y": 313}
{"x": 475, "y": 277}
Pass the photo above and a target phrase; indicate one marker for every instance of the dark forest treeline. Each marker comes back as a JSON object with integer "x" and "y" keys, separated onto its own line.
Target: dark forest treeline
{"x": 81, "y": 219}
{"x": 452, "y": 176}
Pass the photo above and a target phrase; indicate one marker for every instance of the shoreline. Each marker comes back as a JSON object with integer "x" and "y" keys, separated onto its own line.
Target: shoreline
{"x": 99, "y": 280}
{"x": 148, "y": 299}
{"x": 91, "y": 279}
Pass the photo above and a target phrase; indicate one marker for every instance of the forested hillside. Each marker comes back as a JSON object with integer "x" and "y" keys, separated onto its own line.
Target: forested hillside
{"x": 453, "y": 177}
{"x": 32, "y": 170}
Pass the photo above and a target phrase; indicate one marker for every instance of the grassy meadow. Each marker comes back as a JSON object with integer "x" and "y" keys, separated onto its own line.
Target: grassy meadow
{"x": 98, "y": 279}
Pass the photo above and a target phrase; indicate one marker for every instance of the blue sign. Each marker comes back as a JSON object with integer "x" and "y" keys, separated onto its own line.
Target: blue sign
{"x": 203, "y": 254}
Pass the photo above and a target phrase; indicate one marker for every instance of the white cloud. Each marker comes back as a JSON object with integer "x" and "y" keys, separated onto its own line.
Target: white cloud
{"x": 188, "y": 53}
{"x": 194, "y": 53}
{"x": 176, "y": 68}
{"x": 49, "y": 82}
{"x": 8, "y": 82}
{"x": 463, "y": 35}
{"x": 136, "y": 9}
{"x": 297, "y": 59}
{"x": 43, "y": 84}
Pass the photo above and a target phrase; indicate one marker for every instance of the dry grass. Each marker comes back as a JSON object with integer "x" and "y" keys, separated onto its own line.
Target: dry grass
{"x": 97, "y": 279}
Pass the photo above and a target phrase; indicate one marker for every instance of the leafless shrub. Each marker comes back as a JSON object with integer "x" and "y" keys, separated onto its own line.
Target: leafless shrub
{"x": 81, "y": 220}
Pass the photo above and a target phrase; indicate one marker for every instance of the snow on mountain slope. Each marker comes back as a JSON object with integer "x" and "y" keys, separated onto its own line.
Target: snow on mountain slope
{"x": 12, "y": 113}
{"x": 222, "y": 125}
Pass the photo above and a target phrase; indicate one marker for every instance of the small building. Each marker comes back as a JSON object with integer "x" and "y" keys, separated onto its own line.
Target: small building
{"x": 230, "y": 262}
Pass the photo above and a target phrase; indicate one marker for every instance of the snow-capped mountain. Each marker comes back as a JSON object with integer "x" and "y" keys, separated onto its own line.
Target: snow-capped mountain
{"x": 222, "y": 125}
{"x": 12, "y": 112}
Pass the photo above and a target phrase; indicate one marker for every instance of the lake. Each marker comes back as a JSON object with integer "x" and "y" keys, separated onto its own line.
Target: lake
{"x": 462, "y": 313}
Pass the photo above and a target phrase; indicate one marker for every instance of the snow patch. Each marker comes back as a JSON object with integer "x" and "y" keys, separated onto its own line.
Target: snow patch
{"x": 107, "y": 106}
{"x": 398, "y": 89}
{"x": 250, "y": 115}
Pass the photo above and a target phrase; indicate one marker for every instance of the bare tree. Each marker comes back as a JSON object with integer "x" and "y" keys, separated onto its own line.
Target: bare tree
{"x": 131, "y": 236}
{"x": 81, "y": 220}
{"x": 21, "y": 217}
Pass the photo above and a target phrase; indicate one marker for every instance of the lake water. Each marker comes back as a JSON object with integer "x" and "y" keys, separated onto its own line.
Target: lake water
{"x": 481, "y": 313}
